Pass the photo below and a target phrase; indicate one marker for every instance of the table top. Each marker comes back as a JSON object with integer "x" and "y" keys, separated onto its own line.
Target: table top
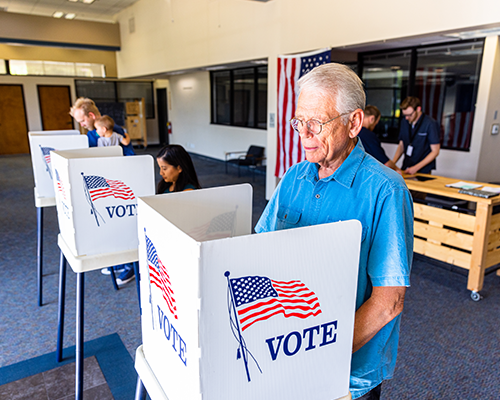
{"x": 434, "y": 184}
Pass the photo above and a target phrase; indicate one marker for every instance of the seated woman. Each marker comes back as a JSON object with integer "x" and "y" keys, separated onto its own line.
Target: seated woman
{"x": 176, "y": 169}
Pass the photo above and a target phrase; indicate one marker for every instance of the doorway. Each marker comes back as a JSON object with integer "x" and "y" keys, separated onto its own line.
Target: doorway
{"x": 161, "y": 101}
{"x": 55, "y": 102}
{"x": 13, "y": 124}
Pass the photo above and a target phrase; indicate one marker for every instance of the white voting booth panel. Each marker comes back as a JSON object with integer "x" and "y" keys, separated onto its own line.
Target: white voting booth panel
{"x": 230, "y": 315}
{"x": 96, "y": 197}
{"x": 57, "y": 132}
{"x": 41, "y": 144}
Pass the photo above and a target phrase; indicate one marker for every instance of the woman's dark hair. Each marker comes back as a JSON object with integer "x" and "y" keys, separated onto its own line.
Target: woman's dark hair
{"x": 176, "y": 155}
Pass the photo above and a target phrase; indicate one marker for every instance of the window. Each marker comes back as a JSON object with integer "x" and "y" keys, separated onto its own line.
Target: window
{"x": 444, "y": 77}
{"x": 239, "y": 97}
{"x": 56, "y": 68}
{"x": 111, "y": 96}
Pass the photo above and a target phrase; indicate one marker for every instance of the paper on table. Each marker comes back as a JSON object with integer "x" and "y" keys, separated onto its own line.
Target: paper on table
{"x": 463, "y": 185}
{"x": 491, "y": 189}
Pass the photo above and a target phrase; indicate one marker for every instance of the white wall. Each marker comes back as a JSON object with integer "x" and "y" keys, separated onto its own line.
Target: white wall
{"x": 171, "y": 36}
{"x": 30, "y": 92}
{"x": 190, "y": 117}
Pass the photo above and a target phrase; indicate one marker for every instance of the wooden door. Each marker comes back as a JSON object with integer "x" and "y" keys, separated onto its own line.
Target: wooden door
{"x": 13, "y": 125}
{"x": 55, "y": 102}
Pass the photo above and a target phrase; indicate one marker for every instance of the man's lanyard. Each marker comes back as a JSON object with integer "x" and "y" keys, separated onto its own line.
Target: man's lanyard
{"x": 414, "y": 131}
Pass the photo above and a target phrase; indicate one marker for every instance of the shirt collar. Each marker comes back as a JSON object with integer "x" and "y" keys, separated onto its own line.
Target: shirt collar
{"x": 345, "y": 174}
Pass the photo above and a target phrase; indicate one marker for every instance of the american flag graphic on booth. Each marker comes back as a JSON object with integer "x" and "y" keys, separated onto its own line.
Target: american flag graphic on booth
{"x": 290, "y": 70}
{"x": 60, "y": 185}
{"x": 46, "y": 153}
{"x": 46, "y": 158}
{"x": 159, "y": 277}
{"x": 99, "y": 187}
{"x": 220, "y": 227}
{"x": 258, "y": 298}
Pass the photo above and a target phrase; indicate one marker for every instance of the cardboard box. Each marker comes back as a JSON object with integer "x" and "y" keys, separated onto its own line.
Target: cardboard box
{"x": 133, "y": 108}
{"x": 96, "y": 197}
{"x": 41, "y": 144}
{"x": 229, "y": 315}
{"x": 134, "y": 127}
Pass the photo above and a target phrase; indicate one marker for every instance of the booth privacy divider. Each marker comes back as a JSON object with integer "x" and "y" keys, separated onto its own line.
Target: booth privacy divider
{"x": 230, "y": 315}
{"x": 41, "y": 144}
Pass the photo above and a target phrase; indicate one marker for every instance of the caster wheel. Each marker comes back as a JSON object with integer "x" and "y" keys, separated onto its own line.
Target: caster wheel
{"x": 475, "y": 296}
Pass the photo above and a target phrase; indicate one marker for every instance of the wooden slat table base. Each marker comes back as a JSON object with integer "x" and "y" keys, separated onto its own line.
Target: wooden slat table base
{"x": 459, "y": 238}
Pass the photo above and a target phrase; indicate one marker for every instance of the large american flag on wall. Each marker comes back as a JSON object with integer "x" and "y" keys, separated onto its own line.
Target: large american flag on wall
{"x": 290, "y": 69}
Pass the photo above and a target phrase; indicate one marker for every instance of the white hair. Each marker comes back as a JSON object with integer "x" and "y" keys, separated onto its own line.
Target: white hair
{"x": 340, "y": 82}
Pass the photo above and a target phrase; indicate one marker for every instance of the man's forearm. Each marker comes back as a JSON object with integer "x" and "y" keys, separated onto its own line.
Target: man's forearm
{"x": 385, "y": 304}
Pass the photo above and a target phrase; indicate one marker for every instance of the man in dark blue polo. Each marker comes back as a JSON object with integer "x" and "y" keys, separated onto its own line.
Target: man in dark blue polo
{"x": 419, "y": 139}
{"x": 370, "y": 141}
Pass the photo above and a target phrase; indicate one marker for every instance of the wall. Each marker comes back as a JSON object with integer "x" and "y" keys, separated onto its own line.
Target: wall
{"x": 173, "y": 36}
{"x": 30, "y": 91}
{"x": 33, "y": 28}
{"x": 489, "y": 163}
{"x": 189, "y": 104}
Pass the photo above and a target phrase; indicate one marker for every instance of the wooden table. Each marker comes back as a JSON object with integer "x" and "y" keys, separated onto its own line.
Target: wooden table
{"x": 469, "y": 239}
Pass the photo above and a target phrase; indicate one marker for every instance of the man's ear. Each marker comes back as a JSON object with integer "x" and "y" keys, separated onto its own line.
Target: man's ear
{"x": 91, "y": 115}
{"x": 356, "y": 122}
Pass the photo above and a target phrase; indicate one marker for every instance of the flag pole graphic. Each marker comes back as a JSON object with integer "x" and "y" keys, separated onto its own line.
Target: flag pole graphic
{"x": 240, "y": 339}
{"x": 149, "y": 284}
{"x": 91, "y": 203}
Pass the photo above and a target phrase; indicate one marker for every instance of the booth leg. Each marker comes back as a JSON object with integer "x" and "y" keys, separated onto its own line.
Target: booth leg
{"x": 39, "y": 253}
{"x": 80, "y": 296}
{"x": 140, "y": 390}
{"x": 137, "y": 281}
{"x": 113, "y": 277}
{"x": 60, "y": 314}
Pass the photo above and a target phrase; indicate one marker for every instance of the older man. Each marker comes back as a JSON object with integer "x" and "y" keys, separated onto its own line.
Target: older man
{"x": 85, "y": 112}
{"x": 338, "y": 182}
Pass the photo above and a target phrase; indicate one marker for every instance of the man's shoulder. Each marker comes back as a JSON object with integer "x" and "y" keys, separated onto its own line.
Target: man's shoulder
{"x": 379, "y": 175}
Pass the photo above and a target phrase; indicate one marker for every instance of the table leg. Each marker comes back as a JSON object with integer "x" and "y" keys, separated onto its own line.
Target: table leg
{"x": 39, "y": 253}
{"x": 140, "y": 390}
{"x": 61, "y": 302}
{"x": 80, "y": 291}
{"x": 479, "y": 247}
{"x": 137, "y": 281}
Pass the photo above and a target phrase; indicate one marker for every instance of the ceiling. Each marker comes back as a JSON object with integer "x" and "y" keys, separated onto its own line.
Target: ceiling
{"x": 99, "y": 10}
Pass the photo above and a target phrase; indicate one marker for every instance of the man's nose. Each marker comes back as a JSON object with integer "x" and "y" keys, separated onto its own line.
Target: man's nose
{"x": 304, "y": 132}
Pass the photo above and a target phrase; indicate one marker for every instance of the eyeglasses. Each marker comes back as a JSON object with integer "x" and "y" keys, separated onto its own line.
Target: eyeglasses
{"x": 313, "y": 125}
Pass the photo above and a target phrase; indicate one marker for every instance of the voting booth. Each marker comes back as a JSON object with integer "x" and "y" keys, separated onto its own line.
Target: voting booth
{"x": 41, "y": 144}
{"x": 227, "y": 314}
{"x": 96, "y": 195}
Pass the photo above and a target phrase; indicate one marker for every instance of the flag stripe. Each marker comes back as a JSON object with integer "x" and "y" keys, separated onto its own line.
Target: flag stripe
{"x": 259, "y": 298}
{"x": 290, "y": 69}
{"x": 159, "y": 277}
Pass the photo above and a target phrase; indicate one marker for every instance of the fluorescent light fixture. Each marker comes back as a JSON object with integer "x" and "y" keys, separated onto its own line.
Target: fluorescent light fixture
{"x": 88, "y": 1}
{"x": 73, "y": 1}
{"x": 58, "y": 14}
{"x": 70, "y": 16}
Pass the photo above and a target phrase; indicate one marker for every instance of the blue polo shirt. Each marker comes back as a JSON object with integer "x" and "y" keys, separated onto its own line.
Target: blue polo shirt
{"x": 365, "y": 190}
{"x": 425, "y": 133}
{"x": 372, "y": 145}
{"x": 92, "y": 136}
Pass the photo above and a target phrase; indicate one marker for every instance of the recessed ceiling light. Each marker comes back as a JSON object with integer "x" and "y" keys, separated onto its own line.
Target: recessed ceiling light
{"x": 58, "y": 14}
{"x": 88, "y": 1}
{"x": 70, "y": 16}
